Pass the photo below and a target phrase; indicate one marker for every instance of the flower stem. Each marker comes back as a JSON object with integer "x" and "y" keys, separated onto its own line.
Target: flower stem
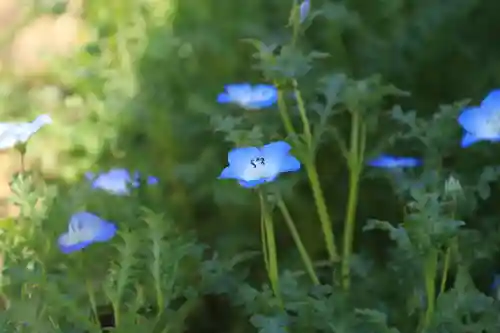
{"x": 298, "y": 242}
{"x": 285, "y": 117}
{"x": 303, "y": 114}
{"x": 311, "y": 172}
{"x": 430, "y": 270}
{"x": 324, "y": 217}
{"x": 355, "y": 165}
{"x": 270, "y": 245}
{"x": 446, "y": 268}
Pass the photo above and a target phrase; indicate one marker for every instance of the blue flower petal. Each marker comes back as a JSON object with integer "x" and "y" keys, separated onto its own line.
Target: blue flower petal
{"x": 263, "y": 96}
{"x": 115, "y": 181}
{"x": 224, "y": 98}
{"x": 238, "y": 159}
{"x": 279, "y": 153}
{"x": 228, "y": 173}
{"x": 12, "y": 134}
{"x": 472, "y": 119}
{"x": 238, "y": 91}
{"x": 469, "y": 139}
{"x": 152, "y": 180}
{"x": 290, "y": 164}
{"x": 67, "y": 247}
{"x": 492, "y": 101}
{"x": 304, "y": 10}
{"x": 105, "y": 232}
{"x": 276, "y": 150}
{"x": 248, "y": 96}
{"x": 387, "y": 161}
{"x": 84, "y": 229}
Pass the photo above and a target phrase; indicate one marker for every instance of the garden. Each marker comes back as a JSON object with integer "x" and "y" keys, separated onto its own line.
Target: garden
{"x": 322, "y": 166}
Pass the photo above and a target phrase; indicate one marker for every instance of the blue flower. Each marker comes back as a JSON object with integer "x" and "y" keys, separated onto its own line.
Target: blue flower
{"x": 117, "y": 181}
{"x": 387, "y": 161}
{"x": 304, "y": 10}
{"x": 13, "y": 134}
{"x": 248, "y": 96}
{"x": 482, "y": 123}
{"x": 252, "y": 166}
{"x": 84, "y": 229}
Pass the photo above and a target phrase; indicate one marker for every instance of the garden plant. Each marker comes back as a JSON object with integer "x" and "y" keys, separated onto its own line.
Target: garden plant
{"x": 258, "y": 166}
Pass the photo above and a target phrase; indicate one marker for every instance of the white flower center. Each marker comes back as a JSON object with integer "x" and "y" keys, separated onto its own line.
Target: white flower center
{"x": 80, "y": 235}
{"x": 256, "y": 169}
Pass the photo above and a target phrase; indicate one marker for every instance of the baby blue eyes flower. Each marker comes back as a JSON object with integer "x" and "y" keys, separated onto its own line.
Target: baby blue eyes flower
{"x": 387, "y": 161}
{"x": 253, "y": 166}
{"x": 304, "y": 10}
{"x": 13, "y": 134}
{"x": 117, "y": 181}
{"x": 482, "y": 123}
{"x": 248, "y": 96}
{"x": 84, "y": 229}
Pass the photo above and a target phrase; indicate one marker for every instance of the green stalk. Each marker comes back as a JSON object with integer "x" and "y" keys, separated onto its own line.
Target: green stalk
{"x": 270, "y": 244}
{"x": 446, "y": 268}
{"x": 312, "y": 174}
{"x": 303, "y": 114}
{"x": 322, "y": 211}
{"x": 355, "y": 165}
{"x": 298, "y": 242}
{"x": 285, "y": 117}
{"x": 430, "y": 271}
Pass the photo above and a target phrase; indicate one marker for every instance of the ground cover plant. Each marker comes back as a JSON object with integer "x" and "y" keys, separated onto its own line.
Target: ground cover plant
{"x": 274, "y": 166}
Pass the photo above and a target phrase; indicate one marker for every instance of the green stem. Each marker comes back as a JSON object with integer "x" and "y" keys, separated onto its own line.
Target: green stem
{"x": 430, "y": 271}
{"x": 270, "y": 243}
{"x": 355, "y": 165}
{"x": 446, "y": 268}
{"x": 285, "y": 117}
{"x": 312, "y": 174}
{"x": 264, "y": 242}
{"x": 324, "y": 217}
{"x": 298, "y": 242}
{"x": 303, "y": 114}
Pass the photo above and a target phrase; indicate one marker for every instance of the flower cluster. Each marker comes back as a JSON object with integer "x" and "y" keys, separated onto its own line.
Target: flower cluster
{"x": 85, "y": 228}
{"x": 252, "y": 166}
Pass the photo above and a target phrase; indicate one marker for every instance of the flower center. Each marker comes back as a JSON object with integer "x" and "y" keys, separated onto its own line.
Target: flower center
{"x": 256, "y": 169}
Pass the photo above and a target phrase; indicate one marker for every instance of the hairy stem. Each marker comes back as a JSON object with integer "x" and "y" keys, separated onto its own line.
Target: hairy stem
{"x": 298, "y": 242}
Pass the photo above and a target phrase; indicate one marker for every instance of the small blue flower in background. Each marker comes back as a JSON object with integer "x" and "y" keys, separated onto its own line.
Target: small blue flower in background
{"x": 84, "y": 229}
{"x": 253, "y": 166}
{"x": 13, "y": 134}
{"x": 304, "y": 10}
{"x": 482, "y": 123}
{"x": 387, "y": 161}
{"x": 248, "y": 96}
{"x": 117, "y": 181}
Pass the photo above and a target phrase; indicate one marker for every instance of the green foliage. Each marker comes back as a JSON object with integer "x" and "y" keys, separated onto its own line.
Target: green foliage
{"x": 410, "y": 251}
